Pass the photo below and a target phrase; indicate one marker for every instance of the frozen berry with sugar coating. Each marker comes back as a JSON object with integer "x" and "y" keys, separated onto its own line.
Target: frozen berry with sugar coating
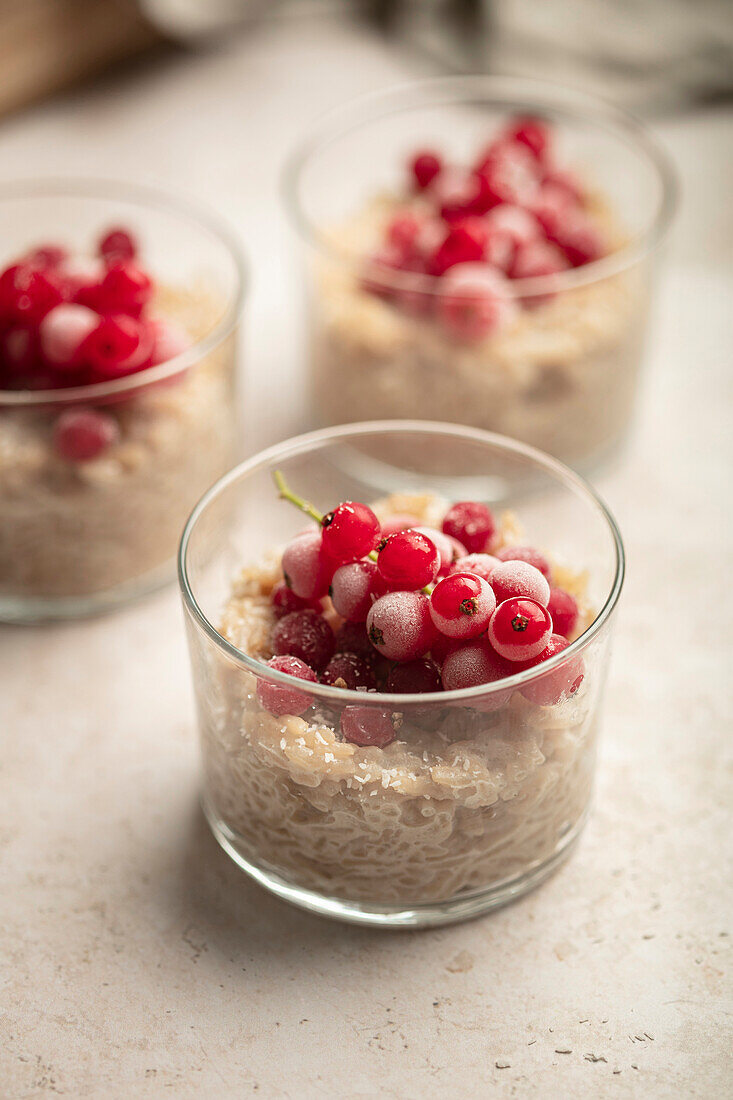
{"x": 442, "y": 646}
{"x": 408, "y": 560}
{"x": 118, "y": 244}
{"x": 510, "y": 174}
{"x": 354, "y": 588}
{"x": 560, "y": 682}
{"x": 399, "y": 625}
{"x": 80, "y": 435}
{"x": 63, "y": 331}
{"x": 472, "y": 523}
{"x": 367, "y": 726}
{"x": 414, "y": 678}
{"x": 280, "y": 699}
{"x": 520, "y": 629}
{"x": 528, "y": 554}
{"x": 350, "y": 531}
{"x": 305, "y": 635}
{"x": 461, "y": 605}
{"x": 119, "y": 345}
{"x": 483, "y": 565}
{"x": 474, "y": 301}
{"x": 531, "y": 132}
{"x": 425, "y": 166}
{"x": 564, "y": 610}
{"x": 306, "y": 569}
{"x": 350, "y": 671}
{"x": 519, "y": 578}
{"x": 520, "y": 225}
{"x": 472, "y": 665}
{"x": 448, "y": 549}
{"x": 284, "y": 600}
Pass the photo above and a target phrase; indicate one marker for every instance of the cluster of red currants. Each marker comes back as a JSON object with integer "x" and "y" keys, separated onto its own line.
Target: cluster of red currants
{"x": 419, "y": 610}
{"x": 69, "y": 320}
{"x": 512, "y": 215}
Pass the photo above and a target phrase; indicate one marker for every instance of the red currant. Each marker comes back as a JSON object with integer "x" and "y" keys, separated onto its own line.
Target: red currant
{"x": 82, "y": 434}
{"x": 125, "y": 288}
{"x": 442, "y": 646}
{"x": 510, "y": 174}
{"x": 578, "y": 238}
{"x": 414, "y": 678}
{"x": 448, "y": 549}
{"x": 350, "y": 531}
{"x": 62, "y": 333}
{"x": 117, "y": 346}
{"x": 462, "y": 245}
{"x": 528, "y": 554}
{"x": 425, "y": 166}
{"x": 280, "y": 700}
{"x": 349, "y": 670}
{"x": 117, "y": 244}
{"x": 461, "y": 605}
{"x": 403, "y": 232}
{"x": 354, "y": 588}
{"x": 472, "y": 665}
{"x": 27, "y": 294}
{"x": 367, "y": 726}
{"x": 474, "y": 301}
{"x": 284, "y": 600}
{"x": 306, "y": 568}
{"x": 564, "y": 610}
{"x": 408, "y": 560}
{"x": 353, "y": 638}
{"x": 520, "y": 629}
{"x": 306, "y": 635}
{"x": 482, "y": 565}
{"x": 549, "y": 689}
{"x": 472, "y": 523}
{"x": 533, "y": 133}
{"x": 399, "y": 625}
{"x": 519, "y": 578}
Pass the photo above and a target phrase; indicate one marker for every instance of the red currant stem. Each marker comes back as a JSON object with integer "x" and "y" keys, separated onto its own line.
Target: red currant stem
{"x": 287, "y": 494}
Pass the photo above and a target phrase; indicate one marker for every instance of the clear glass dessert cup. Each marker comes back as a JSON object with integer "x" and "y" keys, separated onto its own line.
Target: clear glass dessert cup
{"x": 484, "y": 791}
{"x": 563, "y": 374}
{"x": 81, "y": 537}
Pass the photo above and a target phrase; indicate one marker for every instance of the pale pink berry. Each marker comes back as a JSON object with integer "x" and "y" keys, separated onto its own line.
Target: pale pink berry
{"x": 306, "y": 568}
{"x": 280, "y": 699}
{"x": 399, "y": 625}
{"x": 520, "y": 225}
{"x": 483, "y": 565}
{"x": 528, "y": 554}
{"x": 518, "y": 578}
{"x": 472, "y": 665}
{"x": 474, "y": 301}
{"x": 63, "y": 331}
{"x": 354, "y": 588}
{"x": 80, "y": 435}
{"x": 367, "y": 726}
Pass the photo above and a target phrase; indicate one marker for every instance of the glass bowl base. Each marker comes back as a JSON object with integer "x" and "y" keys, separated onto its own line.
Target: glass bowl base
{"x": 424, "y": 915}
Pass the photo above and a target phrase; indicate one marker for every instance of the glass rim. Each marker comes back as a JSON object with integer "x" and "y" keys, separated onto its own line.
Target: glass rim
{"x": 516, "y": 93}
{"x": 151, "y": 197}
{"x": 271, "y": 456}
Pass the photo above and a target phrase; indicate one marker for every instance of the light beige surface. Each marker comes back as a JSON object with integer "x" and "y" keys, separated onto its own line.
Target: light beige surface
{"x": 140, "y": 963}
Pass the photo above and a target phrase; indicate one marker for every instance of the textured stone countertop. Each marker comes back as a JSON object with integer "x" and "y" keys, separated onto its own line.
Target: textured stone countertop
{"x": 136, "y": 960}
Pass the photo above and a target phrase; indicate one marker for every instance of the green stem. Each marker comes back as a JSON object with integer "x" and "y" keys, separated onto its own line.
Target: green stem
{"x": 287, "y": 494}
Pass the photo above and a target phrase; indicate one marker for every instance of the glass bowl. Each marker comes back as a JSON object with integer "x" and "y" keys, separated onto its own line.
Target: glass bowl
{"x": 561, "y": 373}
{"x": 77, "y": 537}
{"x": 483, "y": 791}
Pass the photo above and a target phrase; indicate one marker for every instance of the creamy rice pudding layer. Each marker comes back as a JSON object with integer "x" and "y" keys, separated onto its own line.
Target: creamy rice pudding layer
{"x": 460, "y": 801}
{"x": 560, "y": 376}
{"x": 79, "y": 528}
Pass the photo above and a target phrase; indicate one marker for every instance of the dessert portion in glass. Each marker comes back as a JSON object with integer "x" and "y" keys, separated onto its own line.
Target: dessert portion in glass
{"x": 480, "y": 251}
{"x": 119, "y": 311}
{"x": 399, "y": 702}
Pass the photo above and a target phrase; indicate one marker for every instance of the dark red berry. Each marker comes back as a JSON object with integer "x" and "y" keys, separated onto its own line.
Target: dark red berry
{"x": 367, "y": 726}
{"x": 118, "y": 346}
{"x": 117, "y": 244}
{"x": 349, "y": 670}
{"x": 28, "y": 293}
{"x": 462, "y": 245}
{"x": 564, "y": 610}
{"x": 279, "y": 699}
{"x": 285, "y": 601}
{"x": 306, "y": 635}
{"x": 353, "y": 638}
{"x": 350, "y": 531}
{"x": 82, "y": 434}
{"x": 414, "y": 678}
{"x": 425, "y": 166}
{"x": 408, "y": 560}
{"x": 533, "y": 133}
{"x": 471, "y": 523}
{"x": 125, "y": 288}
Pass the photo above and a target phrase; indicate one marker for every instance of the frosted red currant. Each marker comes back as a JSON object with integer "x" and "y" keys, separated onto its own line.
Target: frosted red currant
{"x": 119, "y": 345}
{"x": 117, "y": 244}
{"x": 520, "y": 629}
{"x": 354, "y": 588}
{"x": 28, "y": 293}
{"x": 284, "y": 600}
{"x": 472, "y": 665}
{"x": 510, "y": 174}
{"x": 125, "y": 288}
{"x": 519, "y": 578}
{"x": 425, "y": 166}
{"x": 63, "y": 331}
{"x": 472, "y": 523}
{"x": 82, "y": 434}
{"x": 399, "y": 625}
{"x": 305, "y": 635}
{"x": 414, "y": 678}
{"x": 279, "y": 699}
{"x": 442, "y": 646}
{"x": 353, "y": 638}
{"x": 564, "y": 610}
{"x": 408, "y": 560}
{"x": 461, "y": 605}
{"x": 367, "y": 726}
{"x": 462, "y": 245}
{"x": 350, "y": 531}
{"x": 532, "y": 133}
{"x": 474, "y": 301}
{"x": 517, "y": 223}
{"x": 537, "y": 259}
{"x": 306, "y": 568}
{"x": 560, "y": 682}
{"x": 528, "y": 554}
{"x": 482, "y": 565}
{"x": 349, "y": 670}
